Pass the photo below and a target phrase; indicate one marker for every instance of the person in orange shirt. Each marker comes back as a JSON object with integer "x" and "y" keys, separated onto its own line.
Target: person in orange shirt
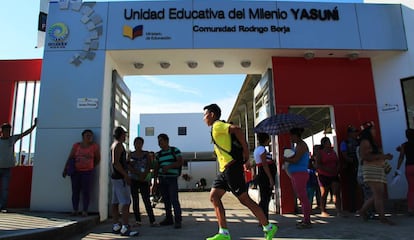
{"x": 85, "y": 156}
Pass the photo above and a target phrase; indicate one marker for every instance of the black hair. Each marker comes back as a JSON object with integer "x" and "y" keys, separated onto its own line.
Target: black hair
{"x": 6, "y": 126}
{"x": 214, "y": 108}
{"x": 297, "y": 131}
{"x": 367, "y": 135}
{"x": 86, "y": 131}
{"x": 324, "y": 140}
{"x": 262, "y": 138}
{"x": 164, "y": 137}
{"x": 409, "y": 133}
{"x": 139, "y": 139}
{"x": 118, "y": 131}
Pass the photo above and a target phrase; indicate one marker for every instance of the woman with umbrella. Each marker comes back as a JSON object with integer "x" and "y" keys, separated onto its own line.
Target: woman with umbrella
{"x": 298, "y": 171}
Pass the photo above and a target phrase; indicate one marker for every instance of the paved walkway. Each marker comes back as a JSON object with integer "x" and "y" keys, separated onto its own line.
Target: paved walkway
{"x": 199, "y": 222}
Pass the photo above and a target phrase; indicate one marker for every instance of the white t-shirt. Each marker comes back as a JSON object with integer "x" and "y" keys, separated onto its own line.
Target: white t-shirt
{"x": 258, "y": 151}
{"x": 7, "y": 151}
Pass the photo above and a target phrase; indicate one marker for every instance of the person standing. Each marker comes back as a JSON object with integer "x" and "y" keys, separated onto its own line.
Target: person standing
{"x": 299, "y": 176}
{"x": 349, "y": 169}
{"x": 121, "y": 194}
{"x": 168, "y": 168}
{"x": 86, "y": 156}
{"x": 231, "y": 174}
{"x": 7, "y": 160}
{"x": 266, "y": 172}
{"x": 373, "y": 171}
{"x": 407, "y": 150}
{"x": 140, "y": 162}
{"x": 327, "y": 166}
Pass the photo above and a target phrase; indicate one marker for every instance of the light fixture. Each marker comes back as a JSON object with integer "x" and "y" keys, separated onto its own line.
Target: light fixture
{"x": 218, "y": 63}
{"x": 309, "y": 55}
{"x": 192, "y": 64}
{"x": 245, "y": 63}
{"x": 165, "y": 65}
{"x": 138, "y": 65}
{"x": 353, "y": 56}
{"x": 328, "y": 130}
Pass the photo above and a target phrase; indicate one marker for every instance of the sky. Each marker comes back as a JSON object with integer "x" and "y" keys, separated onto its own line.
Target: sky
{"x": 149, "y": 94}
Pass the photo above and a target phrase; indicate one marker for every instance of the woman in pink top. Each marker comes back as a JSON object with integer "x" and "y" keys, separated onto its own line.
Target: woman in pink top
{"x": 327, "y": 165}
{"x": 86, "y": 156}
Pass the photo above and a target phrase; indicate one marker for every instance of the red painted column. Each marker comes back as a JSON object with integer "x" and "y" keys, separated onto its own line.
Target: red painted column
{"x": 345, "y": 85}
{"x": 6, "y": 99}
{"x": 13, "y": 71}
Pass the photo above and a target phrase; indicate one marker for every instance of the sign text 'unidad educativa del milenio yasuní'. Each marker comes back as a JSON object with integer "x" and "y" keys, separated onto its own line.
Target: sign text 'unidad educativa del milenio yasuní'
{"x": 298, "y": 14}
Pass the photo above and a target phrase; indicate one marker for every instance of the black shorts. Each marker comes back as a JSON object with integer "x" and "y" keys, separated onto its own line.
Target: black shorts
{"x": 232, "y": 179}
{"x": 326, "y": 181}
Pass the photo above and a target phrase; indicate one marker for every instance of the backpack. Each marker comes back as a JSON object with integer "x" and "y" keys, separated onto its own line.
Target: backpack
{"x": 236, "y": 151}
{"x": 180, "y": 169}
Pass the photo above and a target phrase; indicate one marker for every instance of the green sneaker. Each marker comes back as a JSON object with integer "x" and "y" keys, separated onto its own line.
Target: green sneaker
{"x": 219, "y": 236}
{"x": 269, "y": 234}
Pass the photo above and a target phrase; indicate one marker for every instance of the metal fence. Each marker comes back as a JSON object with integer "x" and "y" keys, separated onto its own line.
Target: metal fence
{"x": 25, "y": 107}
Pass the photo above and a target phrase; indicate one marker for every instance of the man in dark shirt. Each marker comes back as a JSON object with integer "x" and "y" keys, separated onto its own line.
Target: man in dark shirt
{"x": 349, "y": 169}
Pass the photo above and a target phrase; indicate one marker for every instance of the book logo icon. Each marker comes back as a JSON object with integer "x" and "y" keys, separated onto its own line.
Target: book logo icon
{"x": 133, "y": 32}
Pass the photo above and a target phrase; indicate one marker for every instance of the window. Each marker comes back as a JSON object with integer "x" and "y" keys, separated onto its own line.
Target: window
{"x": 408, "y": 93}
{"x": 149, "y": 131}
{"x": 182, "y": 131}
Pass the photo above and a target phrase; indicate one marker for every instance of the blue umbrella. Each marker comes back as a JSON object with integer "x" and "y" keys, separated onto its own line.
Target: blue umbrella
{"x": 281, "y": 123}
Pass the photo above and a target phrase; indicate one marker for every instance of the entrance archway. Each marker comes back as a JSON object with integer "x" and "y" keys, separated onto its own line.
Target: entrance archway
{"x": 97, "y": 38}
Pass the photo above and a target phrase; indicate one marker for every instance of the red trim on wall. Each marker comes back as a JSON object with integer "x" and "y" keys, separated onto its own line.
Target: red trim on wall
{"x": 346, "y": 85}
{"x": 20, "y": 187}
{"x": 6, "y": 102}
{"x": 20, "y": 70}
{"x": 13, "y": 71}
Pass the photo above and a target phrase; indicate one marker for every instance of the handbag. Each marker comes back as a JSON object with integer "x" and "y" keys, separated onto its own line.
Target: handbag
{"x": 70, "y": 168}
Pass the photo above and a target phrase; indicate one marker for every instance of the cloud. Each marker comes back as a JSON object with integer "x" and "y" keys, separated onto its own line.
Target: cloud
{"x": 171, "y": 85}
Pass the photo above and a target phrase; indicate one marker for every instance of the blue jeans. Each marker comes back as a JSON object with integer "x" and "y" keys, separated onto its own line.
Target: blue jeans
{"x": 5, "y": 180}
{"x": 169, "y": 192}
{"x": 81, "y": 183}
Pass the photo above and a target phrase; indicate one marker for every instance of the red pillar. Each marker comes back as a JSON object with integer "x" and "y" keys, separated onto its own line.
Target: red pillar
{"x": 13, "y": 71}
{"x": 347, "y": 86}
{"x": 6, "y": 102}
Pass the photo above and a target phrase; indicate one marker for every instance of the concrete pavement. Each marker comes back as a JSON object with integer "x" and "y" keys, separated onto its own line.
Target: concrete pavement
{"x": 199, "y": 222}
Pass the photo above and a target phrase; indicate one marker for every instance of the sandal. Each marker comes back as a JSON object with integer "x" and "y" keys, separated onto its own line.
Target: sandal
{"x": 154, "y": 224}
{"x": 364, "y": 215}
{"x": 303, "y": 225}
{"x": 386, "y": 221}
{"x": 299, "y": 222}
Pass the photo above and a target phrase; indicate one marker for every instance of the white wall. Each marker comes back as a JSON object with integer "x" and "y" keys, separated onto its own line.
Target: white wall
{"x": 387, "y": 71}
{"x": 198, "y": 138}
